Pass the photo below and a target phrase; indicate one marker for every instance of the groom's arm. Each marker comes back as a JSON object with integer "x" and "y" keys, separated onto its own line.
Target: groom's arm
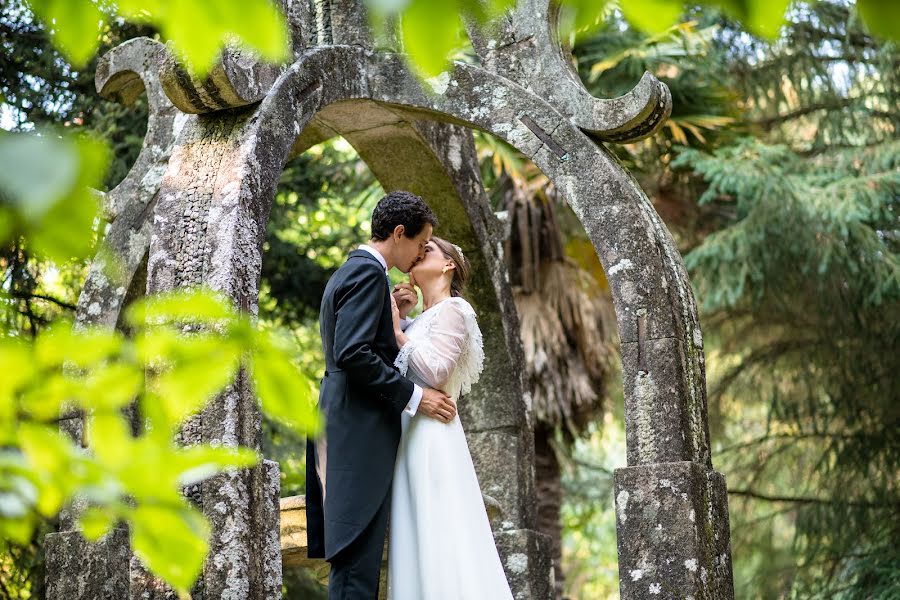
{"x": 359, "y": 303}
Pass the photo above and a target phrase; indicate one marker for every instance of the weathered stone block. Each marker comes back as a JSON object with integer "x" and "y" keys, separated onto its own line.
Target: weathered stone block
{"x": 525, "y": 555}
{"x": 80, "y": 570}
{"x": 661, "y": 423}
{"x": 497, "y": 456}
{"x": 673, "y": 536}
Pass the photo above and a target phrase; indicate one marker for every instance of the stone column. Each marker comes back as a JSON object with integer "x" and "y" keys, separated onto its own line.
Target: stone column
{"x": 208, "y": 230}
{"x": 76, "y": 569}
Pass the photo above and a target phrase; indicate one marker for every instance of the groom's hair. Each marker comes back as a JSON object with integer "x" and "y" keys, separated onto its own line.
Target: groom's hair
{"x": 400, "y": 208}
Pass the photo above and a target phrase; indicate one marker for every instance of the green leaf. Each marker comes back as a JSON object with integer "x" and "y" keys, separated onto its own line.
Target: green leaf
{"x": 62, "y": 343}
{"x": 18, "y": 531}
{"x": 50, "y": 456}
{"x": 53, "y": 208}
{"x": 882, "y": 17}
{"x": 430, "y": 33}
{"x": 95, "y": 522}
{"x": 112, "y": 387}
{"x": 109, "y": 438}
{"x": 18, "y": 368}
{"x": 74, "y": 26}
{"x": 197, "y": 305}
{"x": 653, "y": 16}
{"x": 258, "y": 24}
{"x": 202, "y": 368}
{"x": 45, "y": 400}
{"x": 197, "y": 463}
{"x": 761, "y": 17}
{"x": 284, "y": 392}
{"x": 157, "y": 531}
{"x": 588, "y": 16}
{"x": 38, "y": 171}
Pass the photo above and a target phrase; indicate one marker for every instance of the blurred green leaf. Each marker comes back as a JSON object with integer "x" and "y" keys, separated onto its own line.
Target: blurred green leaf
{"x": 157, "y": 530}
{"x": 50, "y": 457}
{"x": 112, "y": 387}
{"x": 653, "y": 16}
{"x": 285, "y": 393}
{"x": 96, "y": 522}
{"x": 430, "y": 33}
{"x": 74, "y": 26}
{"x": 581, "y": 16}
{"x": 18, "y": 531}
{"x": 882, "y": 17}
{"x": 53, "y": 208}
{"x": 197, "y": 463}
{"x": 44, "y": 402}
{"x": 197, "y": 305}
{"x": 39, "y": 171}
{"x": 198, "y": 29}
{"x": 15, "y": 356}
{"x": 203, "y": 367}
{"x": 109, "y": 438}
{"x": 83, "y": 348}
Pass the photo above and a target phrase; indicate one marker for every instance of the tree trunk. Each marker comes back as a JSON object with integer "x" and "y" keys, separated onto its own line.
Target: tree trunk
{"x": 549, "y": 498}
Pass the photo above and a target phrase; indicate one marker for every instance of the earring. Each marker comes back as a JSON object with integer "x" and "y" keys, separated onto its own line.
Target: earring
{"x": 445, "y": 269}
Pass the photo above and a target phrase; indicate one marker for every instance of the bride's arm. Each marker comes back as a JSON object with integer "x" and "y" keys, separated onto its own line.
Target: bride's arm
{"x": 433, "y": 358}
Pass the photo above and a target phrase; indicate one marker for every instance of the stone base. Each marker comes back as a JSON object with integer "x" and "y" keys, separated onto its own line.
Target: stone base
{"x": 673, "y": 534}
{"x": 80, "y": 570}
{"x": 526, "y": 559}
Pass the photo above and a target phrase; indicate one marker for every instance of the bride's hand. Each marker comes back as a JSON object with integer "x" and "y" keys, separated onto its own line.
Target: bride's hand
{"x": 406, "y": 298}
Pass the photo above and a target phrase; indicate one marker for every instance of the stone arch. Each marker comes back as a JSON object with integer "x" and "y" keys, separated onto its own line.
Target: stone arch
{"x": 208, "y": 225}
{"x": 655, "y": 309}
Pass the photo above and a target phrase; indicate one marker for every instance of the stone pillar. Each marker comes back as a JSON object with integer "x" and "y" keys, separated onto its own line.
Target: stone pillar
{"x": 208, "y": 229}
{"x": 77, "y": 569}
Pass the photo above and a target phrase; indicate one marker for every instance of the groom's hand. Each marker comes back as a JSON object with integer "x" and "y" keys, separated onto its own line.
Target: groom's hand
{"x": 437, "y": 405}
{"x": 406, "y": 298}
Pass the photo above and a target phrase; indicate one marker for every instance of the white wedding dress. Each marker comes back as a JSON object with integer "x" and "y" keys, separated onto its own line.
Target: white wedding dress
{"x": 440, "y": 544}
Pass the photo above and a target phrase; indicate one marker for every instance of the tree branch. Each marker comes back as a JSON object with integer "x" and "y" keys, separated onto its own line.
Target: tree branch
{"x": 57, "y": 301}
{"x": 806, "y": 500}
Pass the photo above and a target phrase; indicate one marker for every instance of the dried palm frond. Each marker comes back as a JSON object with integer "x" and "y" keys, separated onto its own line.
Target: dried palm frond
{"x": 566, "y": 321}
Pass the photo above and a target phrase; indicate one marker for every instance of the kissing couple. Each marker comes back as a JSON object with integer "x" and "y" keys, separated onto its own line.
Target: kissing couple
{"x": 393, "y": 447}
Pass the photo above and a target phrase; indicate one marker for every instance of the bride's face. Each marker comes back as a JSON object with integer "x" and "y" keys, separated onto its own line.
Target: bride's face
{"x": 430, "y": 267}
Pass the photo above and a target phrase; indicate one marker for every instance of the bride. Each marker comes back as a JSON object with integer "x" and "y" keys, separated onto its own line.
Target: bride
{"x": 440, "y": 544}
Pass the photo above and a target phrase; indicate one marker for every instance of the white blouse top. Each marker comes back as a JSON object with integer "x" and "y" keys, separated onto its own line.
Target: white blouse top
{"x": 444, "y": 349}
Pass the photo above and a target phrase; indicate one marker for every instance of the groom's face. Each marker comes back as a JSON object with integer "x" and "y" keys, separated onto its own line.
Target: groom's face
{"x": 410, "y": 250}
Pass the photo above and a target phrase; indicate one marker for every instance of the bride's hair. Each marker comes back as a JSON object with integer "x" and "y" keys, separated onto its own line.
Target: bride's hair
{"x": 462, "y": 270}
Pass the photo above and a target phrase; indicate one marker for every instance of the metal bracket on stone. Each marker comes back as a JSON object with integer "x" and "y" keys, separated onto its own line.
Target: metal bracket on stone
{"x": 239, "y": 78}
{"x": 523, "y": 46}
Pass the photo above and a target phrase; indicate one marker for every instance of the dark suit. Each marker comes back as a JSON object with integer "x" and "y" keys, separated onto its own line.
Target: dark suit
{"x": 362, "y": 397}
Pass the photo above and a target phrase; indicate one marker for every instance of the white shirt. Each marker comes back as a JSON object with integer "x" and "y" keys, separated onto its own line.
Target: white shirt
{"x": 416, "y": 397}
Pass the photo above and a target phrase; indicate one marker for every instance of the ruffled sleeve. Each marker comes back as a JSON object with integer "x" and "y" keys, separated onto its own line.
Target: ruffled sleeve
{"x": 450, "y": 354}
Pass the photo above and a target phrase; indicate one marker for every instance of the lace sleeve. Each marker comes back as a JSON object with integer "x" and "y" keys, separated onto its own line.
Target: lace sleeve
{"x": 402, "y": 360}
{"x": 450, "y": 352}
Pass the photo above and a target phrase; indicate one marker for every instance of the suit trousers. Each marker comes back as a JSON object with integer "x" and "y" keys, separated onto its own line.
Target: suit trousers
{"x": 356, "y": 569}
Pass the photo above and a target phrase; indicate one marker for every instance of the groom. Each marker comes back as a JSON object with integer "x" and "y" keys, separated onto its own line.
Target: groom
{"x": 349, "y": 470}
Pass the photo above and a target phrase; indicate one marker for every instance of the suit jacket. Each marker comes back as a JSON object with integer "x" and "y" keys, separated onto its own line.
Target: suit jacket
{"x": 362, "y": 396}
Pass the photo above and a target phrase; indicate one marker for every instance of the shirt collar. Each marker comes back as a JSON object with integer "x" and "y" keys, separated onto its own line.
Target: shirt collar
{"x": 376, "y": 254}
